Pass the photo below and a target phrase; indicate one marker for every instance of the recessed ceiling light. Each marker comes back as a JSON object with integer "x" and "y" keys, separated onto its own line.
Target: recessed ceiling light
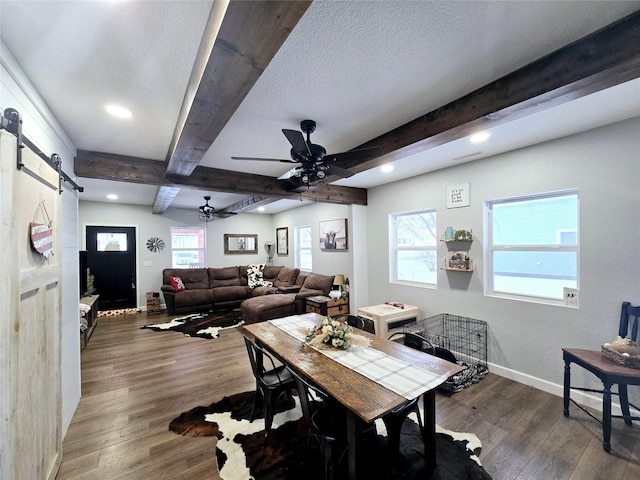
{"x": 386, "y": 168}
{"x": 117, "y": 111}
{"x": 261, "y": 209}
{"x": 479, "y": 137}
{"x": 112, "y": 196}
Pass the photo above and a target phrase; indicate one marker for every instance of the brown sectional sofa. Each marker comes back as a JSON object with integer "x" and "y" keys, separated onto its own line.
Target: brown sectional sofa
{"x": 267, "y": 307}
{"x": 228, "y": 287}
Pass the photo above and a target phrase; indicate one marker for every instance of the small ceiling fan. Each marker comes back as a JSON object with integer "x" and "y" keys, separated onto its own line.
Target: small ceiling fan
{"x": 206, "y": 213}
{"x": 314, "y": 162}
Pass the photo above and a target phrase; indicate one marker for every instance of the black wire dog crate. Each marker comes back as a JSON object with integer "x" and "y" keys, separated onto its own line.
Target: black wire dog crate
{"x": 462, "y": 338}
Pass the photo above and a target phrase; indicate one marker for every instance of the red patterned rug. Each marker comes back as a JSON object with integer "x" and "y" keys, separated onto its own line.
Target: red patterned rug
{"x": 242, "y": 454}
{"x": 203, "y": 325}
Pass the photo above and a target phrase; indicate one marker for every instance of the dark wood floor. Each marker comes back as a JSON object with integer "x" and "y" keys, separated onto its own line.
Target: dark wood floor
{"x": 135, "y": 381}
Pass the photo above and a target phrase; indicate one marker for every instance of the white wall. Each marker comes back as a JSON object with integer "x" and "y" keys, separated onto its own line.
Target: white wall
{"x": 525, "y": 339}
{"x": 39, "y": 126}
{"x": 326, "y": 262}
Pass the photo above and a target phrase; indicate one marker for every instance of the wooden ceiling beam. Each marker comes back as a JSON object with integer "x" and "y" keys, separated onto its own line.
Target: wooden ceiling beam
{"x": 250, "y": 202}
{"x": 604, "y": 59}
{"x": 240, "y": 39}
{"x": 249, "y": 35}
{"x": 598, "y": 61}
{"x": 122, "y": 168}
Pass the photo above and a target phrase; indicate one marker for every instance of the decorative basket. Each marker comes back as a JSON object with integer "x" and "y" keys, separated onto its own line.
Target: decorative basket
{"x": 624, "y": 360}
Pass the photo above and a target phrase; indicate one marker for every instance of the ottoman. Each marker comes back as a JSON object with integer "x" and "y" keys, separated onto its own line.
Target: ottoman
{"x": 267, "y": 307}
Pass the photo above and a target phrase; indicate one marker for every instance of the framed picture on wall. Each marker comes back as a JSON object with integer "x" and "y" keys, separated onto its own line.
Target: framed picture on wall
{"x": 282, "y": 241}
{"x": 334, "y": 235}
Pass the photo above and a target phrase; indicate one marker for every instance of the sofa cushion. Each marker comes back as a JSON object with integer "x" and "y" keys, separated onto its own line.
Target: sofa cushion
{"x": 191, "y": 277}
{"x": 271, "y": 272}
{"x": 315, "y": 281}
{"x": 229, "y": 293}
{"x": 266, "y": 307}
{"x": 286, "y": 277}
{"x": 177, "y": 283}
{"x": 194, "y": 297}
{"x": 224, "y": 277}
{"x": 243, "y": 275}
{"x": 262, "y": 291}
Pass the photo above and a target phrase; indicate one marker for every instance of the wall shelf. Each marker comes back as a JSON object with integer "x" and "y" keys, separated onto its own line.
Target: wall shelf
{"x": 454, "y": 264}
{"x": 465, "y": 236}
{"x": 458, "y": 258}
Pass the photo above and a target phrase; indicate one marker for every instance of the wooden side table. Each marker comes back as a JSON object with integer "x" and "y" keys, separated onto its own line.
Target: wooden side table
{"x": 327, "y": 306}
{"x": 609, "y": 373}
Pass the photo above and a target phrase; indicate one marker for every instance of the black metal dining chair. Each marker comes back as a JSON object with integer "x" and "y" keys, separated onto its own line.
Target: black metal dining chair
{"x": 270, "y": 383}
{"x": 327, "y": 424}
{"x": 394, "y": 420}
{"x": 360, "y": 323}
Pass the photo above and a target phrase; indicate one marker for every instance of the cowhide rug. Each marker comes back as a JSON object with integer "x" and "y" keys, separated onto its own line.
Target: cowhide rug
{"x": 204, "y": 325}
{"x": 242, "y": 455}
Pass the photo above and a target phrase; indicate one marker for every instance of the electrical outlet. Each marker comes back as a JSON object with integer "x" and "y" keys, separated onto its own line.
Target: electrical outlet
{"x": 570, "y": 296}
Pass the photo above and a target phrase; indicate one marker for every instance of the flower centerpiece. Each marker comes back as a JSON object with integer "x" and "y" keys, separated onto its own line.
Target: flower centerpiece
{"x": 330, "y": 332}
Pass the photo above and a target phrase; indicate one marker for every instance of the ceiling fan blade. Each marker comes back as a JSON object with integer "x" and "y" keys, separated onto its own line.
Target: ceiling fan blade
{"x": 340, "y": 172}
{"x": 297, "y": 141}
{"x": 264, "y": 159}
{"x": 360, "y": 154}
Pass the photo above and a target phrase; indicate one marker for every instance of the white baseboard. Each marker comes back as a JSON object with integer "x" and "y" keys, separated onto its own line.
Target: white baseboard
{"x": 586, "y": 399}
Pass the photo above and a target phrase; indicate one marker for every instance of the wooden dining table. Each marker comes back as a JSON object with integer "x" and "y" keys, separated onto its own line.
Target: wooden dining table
{"x": 365, "y": 400}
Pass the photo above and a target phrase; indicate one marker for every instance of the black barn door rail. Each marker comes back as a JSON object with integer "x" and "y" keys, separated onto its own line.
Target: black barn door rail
{"x": 12, "y": 123}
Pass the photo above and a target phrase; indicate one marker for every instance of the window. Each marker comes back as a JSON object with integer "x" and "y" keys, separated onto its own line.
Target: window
{"x": 111, "y": 242}
{"x": 533, "y": 245}
{"x": 302, "y": 245}
{"x": 187, "y": 247}
{"x": 413, "y": 247}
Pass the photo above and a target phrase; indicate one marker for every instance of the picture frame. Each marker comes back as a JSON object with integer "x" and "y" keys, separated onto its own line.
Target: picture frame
{"x": 240, "y": 243}
{"x": 282, "y": 241}
{"x": 458, "y": 196}
{"x": 334, "y": 235}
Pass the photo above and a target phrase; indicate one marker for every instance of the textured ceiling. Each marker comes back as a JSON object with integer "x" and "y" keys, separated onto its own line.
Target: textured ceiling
{"x": 358, "y": 68}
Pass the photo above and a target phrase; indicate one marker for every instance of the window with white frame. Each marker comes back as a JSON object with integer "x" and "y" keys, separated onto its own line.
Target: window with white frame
{"x": 188, "y": 247}
{"x": 302, "y": 246}
{"x": 533, "y": 245}
{"x": 413, "y": 241}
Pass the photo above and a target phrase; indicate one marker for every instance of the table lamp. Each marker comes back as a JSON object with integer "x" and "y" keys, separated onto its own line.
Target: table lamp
{"x": 338, "y": 281}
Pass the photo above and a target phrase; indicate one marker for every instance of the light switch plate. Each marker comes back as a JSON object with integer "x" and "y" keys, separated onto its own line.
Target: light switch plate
{"x": 570, "y": 296}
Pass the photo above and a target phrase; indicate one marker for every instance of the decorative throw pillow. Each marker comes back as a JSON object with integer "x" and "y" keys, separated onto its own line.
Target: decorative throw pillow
{"x": 255, "y": 277}
{"x": 177, "y": 283}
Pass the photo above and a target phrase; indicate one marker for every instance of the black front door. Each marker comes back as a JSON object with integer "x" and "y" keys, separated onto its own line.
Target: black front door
{"x": 111, "y": 256}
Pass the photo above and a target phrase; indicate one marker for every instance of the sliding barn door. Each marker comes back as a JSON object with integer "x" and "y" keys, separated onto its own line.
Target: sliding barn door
{"x": 30, "y": 323}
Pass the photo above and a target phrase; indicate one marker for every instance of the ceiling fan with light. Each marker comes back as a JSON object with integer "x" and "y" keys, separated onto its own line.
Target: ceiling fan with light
{"x": 314, "y": 162}
{"x": 206, "y": 213}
